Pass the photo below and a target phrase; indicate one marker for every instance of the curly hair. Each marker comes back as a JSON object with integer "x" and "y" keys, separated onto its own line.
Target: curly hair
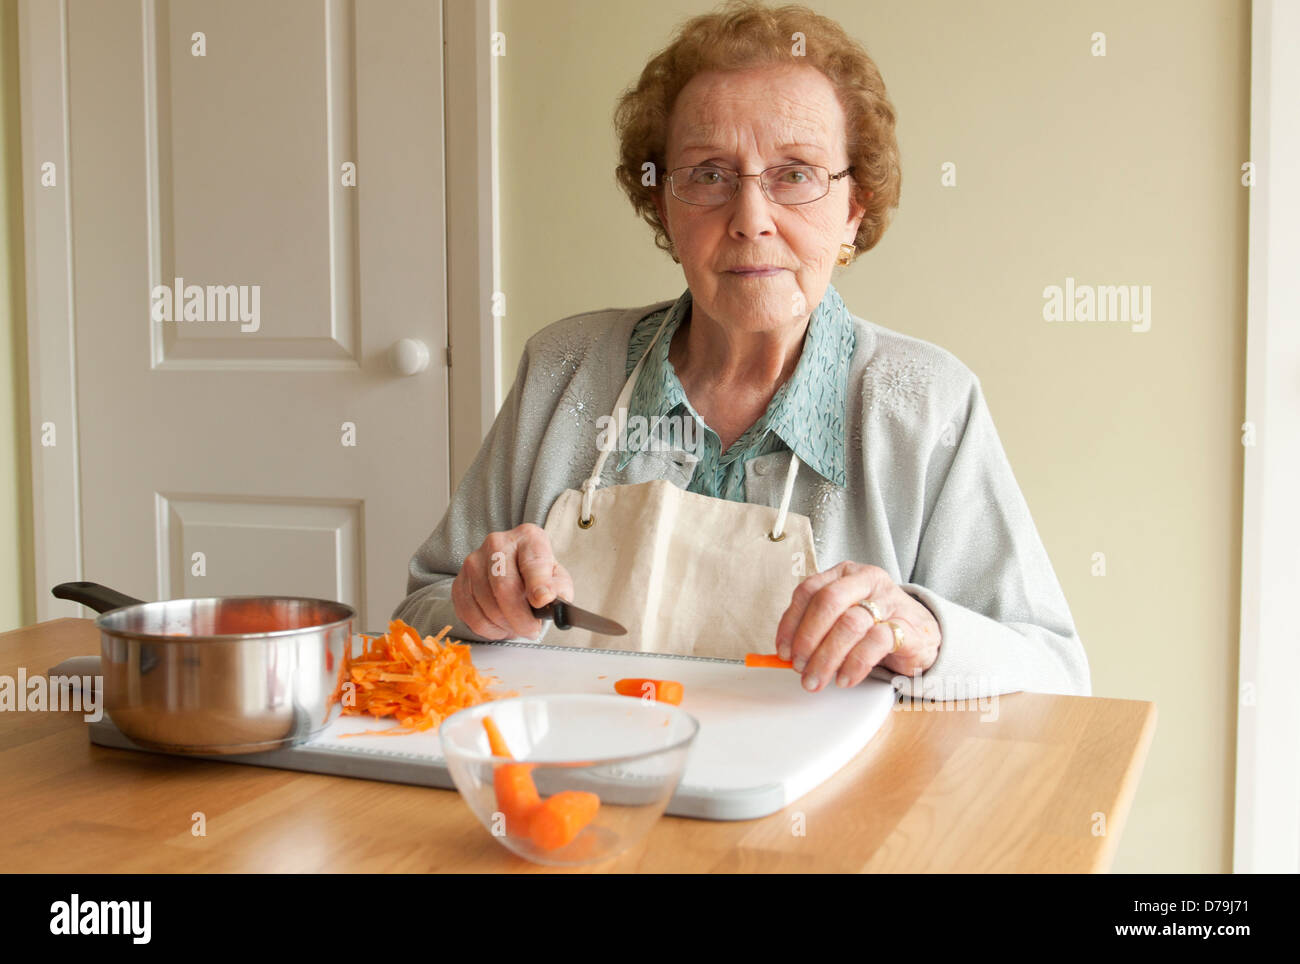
{"x": 744, "y": 34}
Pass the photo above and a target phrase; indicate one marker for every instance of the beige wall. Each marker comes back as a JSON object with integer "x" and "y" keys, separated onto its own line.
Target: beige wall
{"x": 1114, "y": 170}
{"x": 17, "y": 604}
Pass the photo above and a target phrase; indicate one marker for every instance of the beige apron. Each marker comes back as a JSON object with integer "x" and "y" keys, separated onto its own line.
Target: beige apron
{"x": 685, "y": 573}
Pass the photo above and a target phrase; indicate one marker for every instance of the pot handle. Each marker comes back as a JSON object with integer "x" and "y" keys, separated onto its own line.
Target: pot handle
{"x": 92, "y": 594}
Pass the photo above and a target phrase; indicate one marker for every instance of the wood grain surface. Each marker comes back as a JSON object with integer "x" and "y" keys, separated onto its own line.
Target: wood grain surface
{"x": 1044, "y": 787}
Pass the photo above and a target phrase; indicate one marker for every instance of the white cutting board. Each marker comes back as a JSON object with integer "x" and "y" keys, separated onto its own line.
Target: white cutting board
{"x": 763, "y": 743}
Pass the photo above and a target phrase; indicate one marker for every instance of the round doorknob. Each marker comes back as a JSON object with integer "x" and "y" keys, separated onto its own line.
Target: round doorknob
{"x": 410, "y": 356}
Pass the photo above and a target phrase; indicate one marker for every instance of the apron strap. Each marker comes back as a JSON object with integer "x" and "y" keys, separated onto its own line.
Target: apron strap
{"x": 778, "y": 531}
{"x": 624, "y": 397}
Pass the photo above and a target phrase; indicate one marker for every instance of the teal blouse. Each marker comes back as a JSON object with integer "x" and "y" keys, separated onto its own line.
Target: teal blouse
{"x": 805, "y": 416}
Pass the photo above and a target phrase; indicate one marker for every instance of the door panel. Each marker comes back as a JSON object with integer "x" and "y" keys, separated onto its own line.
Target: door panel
{"x": 246, "y": 162}
{"x": 287, "y": 451}
{"x": 302, "y": 547}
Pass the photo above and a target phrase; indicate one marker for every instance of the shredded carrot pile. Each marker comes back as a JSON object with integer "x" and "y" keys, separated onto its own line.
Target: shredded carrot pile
{"x": 419, "y": 682}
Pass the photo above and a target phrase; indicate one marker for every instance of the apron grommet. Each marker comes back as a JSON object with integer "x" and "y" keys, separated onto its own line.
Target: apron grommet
{"x": 776, "y": 538}
{"x": 588, "y": 524}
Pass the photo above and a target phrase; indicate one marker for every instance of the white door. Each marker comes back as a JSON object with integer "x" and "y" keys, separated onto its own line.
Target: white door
{"x": 277, "y": 452}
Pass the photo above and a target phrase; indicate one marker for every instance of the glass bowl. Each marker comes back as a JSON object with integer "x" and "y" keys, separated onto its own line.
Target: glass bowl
{"x": 628, "y": 751}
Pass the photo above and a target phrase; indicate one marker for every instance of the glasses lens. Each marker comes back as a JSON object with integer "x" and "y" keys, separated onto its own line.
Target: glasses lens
{"x": 703, "y": 185}
{"x": 788, "y": 184}
{"x": 796, "y": 183}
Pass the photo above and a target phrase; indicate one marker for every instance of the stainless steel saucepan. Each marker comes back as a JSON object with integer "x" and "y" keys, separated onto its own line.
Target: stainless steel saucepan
{"x": 234, "y": 674}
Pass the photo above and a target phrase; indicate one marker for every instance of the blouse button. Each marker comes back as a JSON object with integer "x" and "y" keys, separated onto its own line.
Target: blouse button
{"x": 760, "y": 468}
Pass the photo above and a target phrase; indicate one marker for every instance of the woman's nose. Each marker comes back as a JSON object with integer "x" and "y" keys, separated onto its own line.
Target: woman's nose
{"x": 752, "y": 214}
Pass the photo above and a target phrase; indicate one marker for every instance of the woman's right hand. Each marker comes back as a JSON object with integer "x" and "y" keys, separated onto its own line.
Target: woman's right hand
{"x": 502, "y": 577}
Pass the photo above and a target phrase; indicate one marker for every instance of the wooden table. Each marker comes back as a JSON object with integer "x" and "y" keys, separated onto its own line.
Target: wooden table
{"x": 937, "y": 790}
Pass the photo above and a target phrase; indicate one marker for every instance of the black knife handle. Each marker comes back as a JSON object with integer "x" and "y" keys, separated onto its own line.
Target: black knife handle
{"x": 556, "y": 610}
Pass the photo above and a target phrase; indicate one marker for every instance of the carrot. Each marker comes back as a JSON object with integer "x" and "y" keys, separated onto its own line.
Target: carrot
{"x": 662, "y": 690}
{"x": 549, "y": 823}
{"x": 769, "y": 660}
{"x": 495, "y": 740}
{"x": 561, "y": 817}
{"x": 517, "y": 796}
{"x": 418, "y": 682}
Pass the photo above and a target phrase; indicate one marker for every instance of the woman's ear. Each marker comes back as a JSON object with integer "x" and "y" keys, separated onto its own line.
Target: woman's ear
{"x": 661, "y": 208}
{"x": 857, "y": 211}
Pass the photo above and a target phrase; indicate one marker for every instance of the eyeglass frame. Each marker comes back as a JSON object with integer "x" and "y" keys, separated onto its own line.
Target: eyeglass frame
{"x": 830, "y": 178}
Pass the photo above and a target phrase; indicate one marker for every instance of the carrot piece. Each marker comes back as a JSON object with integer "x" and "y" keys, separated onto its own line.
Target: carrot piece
{"x": 495, "y": 740}
{"x": 769, "y": 660}
{"x": 549, "y": 823}
{"x": 517, "y": 796}
{"x": 561, "y": 817}
{"x": 661, "y": 690}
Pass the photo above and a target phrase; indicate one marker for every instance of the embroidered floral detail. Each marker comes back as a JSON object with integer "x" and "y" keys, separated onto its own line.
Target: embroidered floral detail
{"x": 562, "y": 355}
{"x": 826, "y": 498}
{"x": 898, "y": 386}
{"x": 580, "y": 403}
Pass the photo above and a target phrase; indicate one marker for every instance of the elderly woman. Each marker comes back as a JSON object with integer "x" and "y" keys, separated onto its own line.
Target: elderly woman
{"x": 752, "y": 467}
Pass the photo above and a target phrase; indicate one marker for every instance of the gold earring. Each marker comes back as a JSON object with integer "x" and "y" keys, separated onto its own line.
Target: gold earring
{"x": 847, "y": 251}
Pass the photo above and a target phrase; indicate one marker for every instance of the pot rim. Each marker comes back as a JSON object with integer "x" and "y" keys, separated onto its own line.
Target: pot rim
{"x": 101, "y": 621}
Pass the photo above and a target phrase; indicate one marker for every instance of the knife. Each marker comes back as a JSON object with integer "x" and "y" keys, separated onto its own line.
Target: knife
{"x": 565, "y": 615}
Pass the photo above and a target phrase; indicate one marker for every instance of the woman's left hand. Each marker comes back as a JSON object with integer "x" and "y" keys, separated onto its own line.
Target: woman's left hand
{"x": 831, "y": 638}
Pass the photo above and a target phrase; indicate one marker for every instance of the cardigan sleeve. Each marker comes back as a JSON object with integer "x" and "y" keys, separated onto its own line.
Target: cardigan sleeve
{"x": 983, "y": 571}
{"x": 490, "y": 498}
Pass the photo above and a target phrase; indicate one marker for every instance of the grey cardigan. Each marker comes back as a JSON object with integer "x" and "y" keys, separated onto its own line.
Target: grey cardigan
{"x": 930, "y": 498}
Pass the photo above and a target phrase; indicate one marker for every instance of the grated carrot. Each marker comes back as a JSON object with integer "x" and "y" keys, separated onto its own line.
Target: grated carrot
{"x": 418, "y": 682}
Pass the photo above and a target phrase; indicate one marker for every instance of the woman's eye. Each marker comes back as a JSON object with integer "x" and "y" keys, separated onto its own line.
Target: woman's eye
{"x": 705, "y": 176}
{"x": 795, "y": 176}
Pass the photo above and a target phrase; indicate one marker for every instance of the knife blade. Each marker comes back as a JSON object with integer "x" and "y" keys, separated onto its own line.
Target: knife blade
{"x": 565, "y": 615}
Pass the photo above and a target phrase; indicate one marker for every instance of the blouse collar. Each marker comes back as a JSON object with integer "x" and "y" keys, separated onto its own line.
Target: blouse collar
{"x": 807, "y": 412}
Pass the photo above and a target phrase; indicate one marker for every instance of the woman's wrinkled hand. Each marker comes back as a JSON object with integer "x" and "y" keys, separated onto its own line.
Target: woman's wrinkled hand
{"x": 830, "y": 637}
{"x": 499, "y": 579}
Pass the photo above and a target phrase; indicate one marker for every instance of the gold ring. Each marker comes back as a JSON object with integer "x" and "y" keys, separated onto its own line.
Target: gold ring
{"x": 898, "y": 635}
{"x": 872, "y": 608}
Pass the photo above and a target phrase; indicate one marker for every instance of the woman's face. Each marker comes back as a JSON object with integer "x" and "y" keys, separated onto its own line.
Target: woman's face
{"x": 749, "y": 121}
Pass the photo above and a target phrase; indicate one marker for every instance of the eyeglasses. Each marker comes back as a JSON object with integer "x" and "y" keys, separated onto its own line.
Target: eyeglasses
{"x": 786, "y": 184}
